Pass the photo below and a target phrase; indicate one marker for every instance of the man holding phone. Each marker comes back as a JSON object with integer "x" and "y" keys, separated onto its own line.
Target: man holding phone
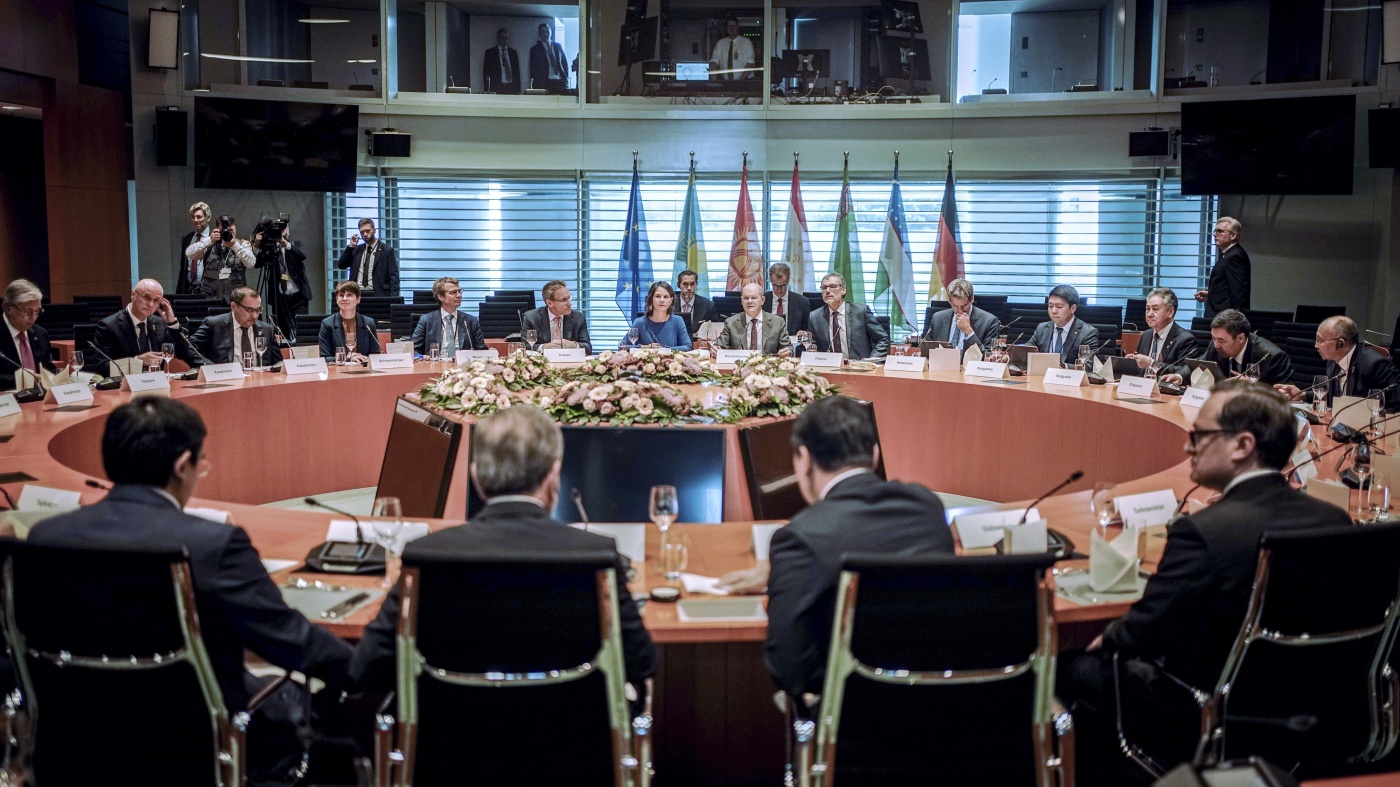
{"x": 139, "y": 330}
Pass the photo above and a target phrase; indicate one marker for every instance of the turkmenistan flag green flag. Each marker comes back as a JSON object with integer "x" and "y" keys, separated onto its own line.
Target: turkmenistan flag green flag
{"x": 845, "y": 257}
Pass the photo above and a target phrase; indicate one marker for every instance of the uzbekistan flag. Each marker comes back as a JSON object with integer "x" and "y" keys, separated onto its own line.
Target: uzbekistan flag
{"x": 896, "y": 272}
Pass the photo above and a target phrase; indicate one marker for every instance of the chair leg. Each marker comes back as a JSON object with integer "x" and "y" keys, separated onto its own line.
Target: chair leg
{"x": 1062, "y": 766}
{"x": 641, "y": 741}
{"x": 383, "y": 750}
{"x": 1132, "y": 752}
{"x": 804, "y": 743}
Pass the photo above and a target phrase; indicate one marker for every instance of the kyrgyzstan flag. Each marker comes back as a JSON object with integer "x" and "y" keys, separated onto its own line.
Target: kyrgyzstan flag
{"x": 745, "y": 253}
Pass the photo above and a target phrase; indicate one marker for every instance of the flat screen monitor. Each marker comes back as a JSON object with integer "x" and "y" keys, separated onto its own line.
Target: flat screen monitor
{"x": 614, "y": 468}
{"x": 1384, "y": 127}
{"x": 766, "y": 451}
{"x": 900, "y": 16}
{"x": 275, "y": 145}
{"x": 903, "y": 58}
{"x": 692, "y": 72}
{"x": 637, "y": 42}
{"x": 807, "y": 64}
{"x": 1268, "y": 146}
{"x": 419, "y": 458}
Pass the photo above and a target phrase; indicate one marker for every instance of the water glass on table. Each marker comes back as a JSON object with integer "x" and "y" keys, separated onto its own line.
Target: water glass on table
{"x": 386, "y": 527}
{"x": 1375, "y": 500}
{"x": 1251, "y": 372}
{"x": 75, "y": 363}
{"x": 167, "y": 352}
{"x": 675, "y": 554}
{"x": 260, "y": 345}
{"x": 531, "y": 337}
{"x": 340, "y": 356}
{"x": 1319, "y": 394}
{"x": 434, "y": 353}
{"x": 664, "y": 506}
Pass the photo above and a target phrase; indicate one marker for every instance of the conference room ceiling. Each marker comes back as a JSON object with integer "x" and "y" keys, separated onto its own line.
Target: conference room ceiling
{"x": 980, "y": 7}
{"x": 497, "y": 8}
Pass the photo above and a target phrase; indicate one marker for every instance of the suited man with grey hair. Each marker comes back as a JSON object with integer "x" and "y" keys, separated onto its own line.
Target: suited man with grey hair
{"x": 848, "y": 328}
{"x": 755, "y": 329}
{"x": 225, "y": 338}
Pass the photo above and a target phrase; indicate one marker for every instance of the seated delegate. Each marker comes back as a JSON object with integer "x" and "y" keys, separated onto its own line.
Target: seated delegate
{"x": 754, "y": 329}
{"x": 658, "y": 327}
{"x": 557, "y": 326}
{"x": 449, "y": 327}
{"x": 347, "y": 329}
{"x": 1235, "y": 348}
{"x": 1064, "y": 333}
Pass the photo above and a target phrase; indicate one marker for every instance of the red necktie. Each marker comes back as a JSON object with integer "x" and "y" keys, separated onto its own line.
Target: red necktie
{"x": 753, "y": 333}
{"x": 836, "y": 333}
{"x": 26, "y": 355}
{"x": 778, "y": 304}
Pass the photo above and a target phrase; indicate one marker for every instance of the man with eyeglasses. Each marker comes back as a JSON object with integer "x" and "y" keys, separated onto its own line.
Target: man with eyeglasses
{"x": 1180, "y": 633}
{"x": 556, "y": 324}
{"x": 1354, "y": 368}
{"x": 1064, "y": 333}
{"x": 846, "y": 328}
{"x": 28, "y": 344}
{"x": 1229, "y": 282}
{"x": 139, "y": 330}
{"x": 449, "y": 327}
{"x": 227, "y": 338}
{"x": 152, "y": 450}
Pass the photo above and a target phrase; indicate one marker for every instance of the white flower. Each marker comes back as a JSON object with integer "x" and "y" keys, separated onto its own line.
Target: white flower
{"x": 645, "y": 407}
{"x": 786, "y": 366}
{"x": 760, "y": 381}
{"x": 649, "y": 368}
{"x": 590, "y": 405}
{"x": 600, "y": 393}
{"x": 606, "y": 408}
{"x": 629, "y": 402}
{"x": 780, "y": 382}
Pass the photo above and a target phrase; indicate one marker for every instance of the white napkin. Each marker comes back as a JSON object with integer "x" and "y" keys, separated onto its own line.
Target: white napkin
{"x": 1200, "y": 378}
{"x": 696, "y": 583}
{"x": 1113, "y": 564}
{"x": 973, "y": 355}
{"x": 1103, "y": 368}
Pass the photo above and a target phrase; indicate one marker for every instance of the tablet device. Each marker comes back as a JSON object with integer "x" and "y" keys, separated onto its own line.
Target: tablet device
{"x": 925, "y": 346}
{"x": 1210, "y": 366}
{"x": 1125, "y": 367}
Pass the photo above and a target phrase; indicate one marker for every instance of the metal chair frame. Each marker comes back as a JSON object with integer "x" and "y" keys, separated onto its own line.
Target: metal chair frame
{"x": 631, "y": 740}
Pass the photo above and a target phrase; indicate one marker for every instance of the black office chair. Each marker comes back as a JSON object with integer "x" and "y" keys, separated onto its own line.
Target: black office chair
{"x": 1307, "y": 683}
{"x": 1307, "y": 362}
{"x": 113, "y": 674}
{"x": 941, "y": 670}
{"x": 1316, "y": 314}
{"x": 531, "y": 644}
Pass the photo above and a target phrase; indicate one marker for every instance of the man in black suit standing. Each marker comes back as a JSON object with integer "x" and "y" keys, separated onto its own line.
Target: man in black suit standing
{"x": 700, "y": 308}
{"x": 1170, "y": 343}
{"x": 1235, "y": 347}
{"x": 227, "y": 338}
{"x": 450, "y": 327}
{"x": 964, "y": 325}
{"x": 372, "y": 264}
{"x": 189, "y": 272}
{"x": 851, "y": 508}
{"x": 1064, "y": 333}
{"x": 500, "y": 67}
{"x": 1192, "y": 608}
{"x": 846, "y": 328}
{"x": 783, "y": 302}
{"x": 548, "y": 67}
{"x": 1357, "y": 368}
{"x": 138, "y": 330}
{"x": 23, "y": 342}
{"x": 152, "y": 449}
{"x": 515, "y": 461}
{"x": 556, "y": 324}
{"x": 1229, "y": 282}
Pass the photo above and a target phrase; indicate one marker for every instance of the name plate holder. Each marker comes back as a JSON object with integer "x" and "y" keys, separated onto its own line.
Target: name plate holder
{"x": 1136, "y": 387}
{"x": 383, "y": 362}
{"x": 43, "y": 498}
{"x": 219, "y": 372}
{"x": 8, "y": 405}
{"x": 301, "y": 366}
{"x": 146, "y": 382}
{"x": 984, "y": 369}
{"x": 1194, "y": 397}
{"x": 1070, "y": 378}
{"x": 821, "y": 360}
{"x": 72, "y": 393}
{"x": 977, "y": 531}
{"x": 905, "y": 363}
{"x": 731, "y": 358}
{"x": 1330, "y": 492}
{"x": 944, "y": 359}
{"x": 1029, "y": 538}
{"x": 467, "y": 356}
{"x": 565, "y": 355}
{"x": 1148, "y": 509}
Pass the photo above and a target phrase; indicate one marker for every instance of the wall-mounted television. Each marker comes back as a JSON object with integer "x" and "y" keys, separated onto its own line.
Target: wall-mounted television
{"x": 1268, "y": 146}
{"x": 275, "y": 145}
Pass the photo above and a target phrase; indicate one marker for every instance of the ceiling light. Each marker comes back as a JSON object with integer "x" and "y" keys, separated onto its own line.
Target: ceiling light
{"x": 366, "y": 60}
{"x": 315, "y": 21}
{"x": 244, "y": 59}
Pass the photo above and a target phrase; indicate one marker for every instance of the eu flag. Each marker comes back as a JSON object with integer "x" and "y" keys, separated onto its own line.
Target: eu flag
{"x": 634, "y": 272}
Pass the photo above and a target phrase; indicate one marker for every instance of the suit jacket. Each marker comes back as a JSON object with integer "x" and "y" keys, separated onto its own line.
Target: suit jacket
{"x": 116, "y": 336}
{"x": 1079, "y": 333}
{"x": 429, "y": 331}
{"x": 1274, "y": 364}
{"x": 702, "y": 310}
{"x": 386, "y": 267}
{"x": 865, "y": 338}
{"x": 1369, "y": 370}
{"x": 539, "y": 66}
{"x": 575, "y": 327}
{"x": 239, "y": 605}
{"x": 1180, "y": 343}
{"x": 294, "y": 266}
{"x": 1229, "y": 283}
{"x": 491, "y": 71}
{"x": 860, "y": 514}
{"x": 501, "y": 528}
{"x": 773, "y": 335}
{"x": 215, "y": 341}
{"x": 182, "y": 267}
{"x": 38, "y": 345}
{"x": 796, "y": 310}
{"x": 333, "y": 335}
{"x": 985, "y": 327}
{"x": 1193, "y": 606}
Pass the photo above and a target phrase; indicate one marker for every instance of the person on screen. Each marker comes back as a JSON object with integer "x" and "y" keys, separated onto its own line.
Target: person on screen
{"x": 1234, "y": 347}
{"x": 231, "y": 337}
{"x": 1354, "y": 367}
{"x": 1181, "y": 630}
{"x": 792, "y": 306}
{"x": 1229, "y": 283}
{"x": 754, "y": 329}
{"x": 372, "y": 264}
{"x": 1064, "y": 333}
{"x": 964, "y": 325}
{"x": 449, "y": 327}
{"x": 189, "y": 270}
{"x": 658, "y": 327}
{"x": 732, "y": 52}
{"x": 347, "y": 322}
{"x": 549, "y": 69}
{"x": 501, "y": 66}
{"x": 153, "y": 451}
{"x": 556, "y": 324}
{"x": 846, "y": 328}
{"x": 1170, "y": 343}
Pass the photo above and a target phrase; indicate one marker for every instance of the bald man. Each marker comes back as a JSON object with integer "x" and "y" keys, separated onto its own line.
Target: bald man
{"x": 139, "y": 329}
{"x": 1357, "y": 368}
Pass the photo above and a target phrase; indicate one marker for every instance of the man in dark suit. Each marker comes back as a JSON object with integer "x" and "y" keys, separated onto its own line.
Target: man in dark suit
{"x": 372, "y": 263}
{"x": 1064, "y": 333}
{"x": 783, "y": 302}
{"x": 700, "y": 308}
{"x": 152, "y": 450}
{"x": 449, "y": 327}
{"x": 289, "y": 289}
{"x": 1193, "y": 606}
{"x": 1356, "y": 369}
{"x": 1229, "y": 282}
{"x": 1170, "y": 344}
{"x": 500, "y": 67}
{"x": 754, "y": 328}
{"x": 188, "y": 271}
{"x": 226, "y": 338}
{"x": 846, "y": 328}
{"x": 964, "y": 325}
{"x": 515, "y": 461}
{"x": 556, "y": 323}
{"x": 139, "y": 330}
{"x": 1234, "y": 348}
{"x": 23, "y": 342}
{"x": 851, "y": 508}
{"x": 549, "y": 69}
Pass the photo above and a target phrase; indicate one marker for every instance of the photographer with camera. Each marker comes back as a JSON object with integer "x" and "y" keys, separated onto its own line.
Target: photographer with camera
{"x": 284, "y": 286}
{"x": 226, "y": 260}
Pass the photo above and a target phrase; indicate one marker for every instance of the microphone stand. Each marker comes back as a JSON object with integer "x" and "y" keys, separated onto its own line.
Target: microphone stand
{"x": 343, "y": 557}
{"x": 32, "y": 394}
{"x": 108, "y": 383}
{"x": 1075, "y": 476}
{"x": 577, "y": 497}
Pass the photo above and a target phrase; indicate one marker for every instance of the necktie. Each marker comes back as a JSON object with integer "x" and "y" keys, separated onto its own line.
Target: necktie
{"x": 685, "y": 307}
{"x": 505, "y": 66}
{"x": 143, "y": 345}
{"x": 731, "y": 55}
{"x": 247, "y": 342}
{"x": 836, "y": 333}
{"x": 955, "y": 336}
{"x": 365, "y": 263}
{"x": 449, "y": 336}
{"x": 26, "y": 355}
{"x": 778, "y": 303}
{"x": 1153, "y": 352}
{"x": 753, "y": 333}
{"x": 556, "y": 331}
{"x": 1059, "y": 342}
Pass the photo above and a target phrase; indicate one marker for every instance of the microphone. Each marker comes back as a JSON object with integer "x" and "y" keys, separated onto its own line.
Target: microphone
{"x": 1013, "y": 322}
{"x": 1182, "y": 505}
{"x": 108, "y": 383}
{"x": 993, "y": 82}
{"x": 577, "y": 497}
{"x": 32, "y": 394}
{"x": 1075, "y": 476}
{"x": 1291, "y": 468}
{"x": 344, "y": 557}
{"x": 95, "y": 484}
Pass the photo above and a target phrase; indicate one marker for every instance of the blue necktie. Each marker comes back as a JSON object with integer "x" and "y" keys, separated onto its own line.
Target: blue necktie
{"x": 1058, "y": 344}
{"x": 955, "y": 336}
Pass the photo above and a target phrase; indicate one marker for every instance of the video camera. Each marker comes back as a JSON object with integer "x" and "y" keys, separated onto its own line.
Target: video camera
{"x": 271, "y": 230}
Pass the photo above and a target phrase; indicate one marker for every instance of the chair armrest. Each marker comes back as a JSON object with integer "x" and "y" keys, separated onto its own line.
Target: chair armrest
{"x": 267, "y": 691}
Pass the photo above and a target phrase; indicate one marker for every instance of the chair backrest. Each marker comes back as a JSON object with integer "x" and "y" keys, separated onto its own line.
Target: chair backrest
{"x": 1136, "y": 314}
{"x": 530, "y": 641}
{"x": 401, "y": 321}
{"x": 500, "y": 319}
{"x": 1307, "y": 363}
{"x": 59, "y": 318}
{"x": 424, "y": 297}
{"x": 1316, "y": 314}
{"x": 100, "y": 305}
{"x": 1101, "y": 315}
{"x": 377, "y": 306}
{"x": 995, "y": 304}
{"x": 1263, "y": 321}
{"x": 1283, "y": 331}
{"x": 1324, "y": 605}
{"x": 727, "y": 306}
{"x": 113, "y": 671}
{"x": 527, "y": 295}
{"x": 933, "y": 308}
{"x": 940, "y": 670}
{"x": 308, "y": 328}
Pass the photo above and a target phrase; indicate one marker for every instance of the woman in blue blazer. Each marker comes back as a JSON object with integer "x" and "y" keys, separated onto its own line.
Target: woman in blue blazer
{"x": 334, "y": 331}
{"x": 658, "y": 326}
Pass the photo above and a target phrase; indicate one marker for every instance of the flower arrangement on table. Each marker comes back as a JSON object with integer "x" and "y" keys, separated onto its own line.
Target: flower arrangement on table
{"x": 663, "y": 365}
{"x": 478, "y": 388}
{"x": 620, "y": 403}
{"x": 766, "y": 385}
{"x": 523, "y": 371}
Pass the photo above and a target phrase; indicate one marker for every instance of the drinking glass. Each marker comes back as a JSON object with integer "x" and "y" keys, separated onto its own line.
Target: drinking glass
{"x": 434, "y": 352}
{"x": 167, "y": 351}
{"x": 340, "y": 356}
{"x": 1375, "y": 402}
{"x": 259, "y": 345}
{"x": 1251, "y": 372}
{"x": 532, "y": 336}
{"x": 804, "y": 338}
{"x": 632, "y": 337}
{"x": 349, "y": 346}
{"x": 675, "y": 554}
{"x": 1085, "y": 352}
{"x": 247, "y": 362}
{"x": 387, "y": 526}
{"x": 75, "y": 361}
{"x": 1319, "y": 393}
{"x": 665, "y": 506}
{"x": 1377, "y": 500}
{"x": 1104, "y": 506}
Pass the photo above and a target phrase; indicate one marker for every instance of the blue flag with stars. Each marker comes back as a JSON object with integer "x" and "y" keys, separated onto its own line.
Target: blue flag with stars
{"x": 634, "y": 273}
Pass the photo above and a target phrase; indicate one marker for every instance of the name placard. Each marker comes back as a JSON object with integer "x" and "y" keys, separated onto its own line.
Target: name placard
{"x": 731, "y": 357}
{"x": 985, "y": 369}
{"x": 1351, "y": 411}
{"x": 565, "y": 355}
{"x": 1072, "y": 378}
{"x": 146, "y": 382}
{"x": 821, "y": 360}
{"x": 218, "y": 372}
{"x": 1330, "y": 492}
{"x": 763, "y": 538}
{"x": 1194, "y": 397}
{"x": 397, "y": 348}
{"x": 8, "y": 405}
{"x": 1147, "y": 509}
{"x": 296, "y": 366}
{"x": 467, "y": 356}
{"x": 905, "y": 363}
{"x": 1304, "y": 466}
{"x": 1135, "y": 387}
{"x": 1031, "y": 538}
{"x": 72, "y": 393}
{"x": 381, "y": 362}
{"x": 983, "y": 530}
{"x": 944, "y": 359}
{"x": 41, "y": 498}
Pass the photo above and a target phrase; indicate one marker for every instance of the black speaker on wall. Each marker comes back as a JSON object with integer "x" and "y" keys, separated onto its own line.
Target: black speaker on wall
{"x": 171, "y": 148}
{"x": 1149, "y": 143}
{"x": 389, "y": 143}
